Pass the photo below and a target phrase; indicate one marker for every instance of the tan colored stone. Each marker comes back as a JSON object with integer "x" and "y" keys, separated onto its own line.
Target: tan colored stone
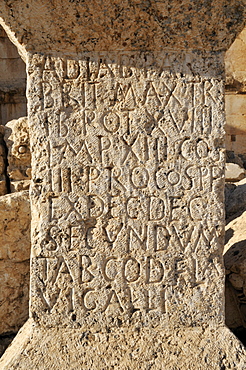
{"x": 235, "y": 263}
{"x": 235, "y": 102}
{"x": 14, "y": 296}
{"x": 19, "y": 157}
{"x": 14, "y": 260}
{"x": 124, "y": 26}
{"x": 15, "y": 227}
{"x": 126, "y": 115}
{"x": 140, "y": 348}
{"x": 234, "y": 172}
{"x": 235, "y": 62}
{"x": 12, "y": 81}
{"x": 235, "y": 115}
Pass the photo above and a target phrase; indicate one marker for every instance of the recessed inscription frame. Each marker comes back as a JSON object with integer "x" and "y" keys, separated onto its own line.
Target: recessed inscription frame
{"x": 127, "y": 185}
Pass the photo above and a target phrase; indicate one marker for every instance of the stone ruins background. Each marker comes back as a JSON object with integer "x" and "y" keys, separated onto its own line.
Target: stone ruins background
{"x": 16, "y": 177}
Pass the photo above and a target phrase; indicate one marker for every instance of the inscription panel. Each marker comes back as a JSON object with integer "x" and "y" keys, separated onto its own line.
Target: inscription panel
{"x": 127, "y": 188}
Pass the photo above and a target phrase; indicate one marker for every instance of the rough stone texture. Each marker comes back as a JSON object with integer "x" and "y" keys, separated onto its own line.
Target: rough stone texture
{"x": 74, "y": 25}
{"x": 127, "y": 190}
{"x": 13, "y": 102}
{"x": 235, "y": 264}
{"x": 234, "y": 172}
{"x": 19, "y": 157}
{"x": 235, "y": 198}
{"x": 121, "y": 195}
{"x": 135, "y": 348}
{"x": 14, "y": 260}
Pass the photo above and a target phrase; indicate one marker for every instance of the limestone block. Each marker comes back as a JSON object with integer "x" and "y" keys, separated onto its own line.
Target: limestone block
{"x": 125, "y": 191}
{"x": 15, "y": 226}
{"x": 125, "y": 26}
{"x": 235, "y": 264}
{"x": 235, "y": 63}
{"x": 19, "y": 157}
{"x": 14, "y": 260}
{"x": 195, "y": 348}
{"x": 126, "y": 115}
{"x": 234, "y": 172}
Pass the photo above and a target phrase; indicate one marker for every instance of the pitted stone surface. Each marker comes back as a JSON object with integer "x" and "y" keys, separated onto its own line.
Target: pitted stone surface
{"x": 127, "y": 191}
{"x": 14, "y": 260}
{"x": 127, "y": 194}
{"x": 16, "y": 137}
{"x": 147, "y": 348}
{"x": 77, "y": 25}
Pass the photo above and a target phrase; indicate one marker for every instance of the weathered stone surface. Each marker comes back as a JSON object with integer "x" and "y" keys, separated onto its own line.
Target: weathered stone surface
{"x": 235, "y": 264}
{"x": 235, "y": 198}
{"x": 127, "y": 188}
{"x": 234, "y": 172}
{"x": 119, "y": 194}
{"x": 19, "y": 157}
{"x": 14, "y": 296}
{"x": 14, "y": 260}
{"x": 140, "y": 348}
{"x": 3, "y": 161}
{"x": 121, "y": 25}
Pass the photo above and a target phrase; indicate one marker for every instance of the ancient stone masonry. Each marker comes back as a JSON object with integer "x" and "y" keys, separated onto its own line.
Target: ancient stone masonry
{"x": 126, "y": 130}
{"x": 14, "y": 260}
{"x": 14, "y": 208}
{"x": 12, "y": 81}
{"x": 19, "y": 157}
{"x": 127, "y": 189}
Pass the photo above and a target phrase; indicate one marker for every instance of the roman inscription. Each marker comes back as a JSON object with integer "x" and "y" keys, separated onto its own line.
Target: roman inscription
{"x": 130, "y": 217}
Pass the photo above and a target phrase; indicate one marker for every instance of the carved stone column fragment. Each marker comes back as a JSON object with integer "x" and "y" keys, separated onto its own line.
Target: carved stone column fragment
{"x": 127, "y": 144}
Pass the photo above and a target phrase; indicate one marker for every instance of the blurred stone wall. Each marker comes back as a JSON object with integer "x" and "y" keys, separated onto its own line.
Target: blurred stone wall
{"x": 12, "y": 81}
{"x": 235, "y": 98}
{"x": 15, "y": 175}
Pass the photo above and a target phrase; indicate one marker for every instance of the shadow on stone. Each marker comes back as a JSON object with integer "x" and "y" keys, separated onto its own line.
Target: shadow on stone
{"x": 5, "y": 341}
